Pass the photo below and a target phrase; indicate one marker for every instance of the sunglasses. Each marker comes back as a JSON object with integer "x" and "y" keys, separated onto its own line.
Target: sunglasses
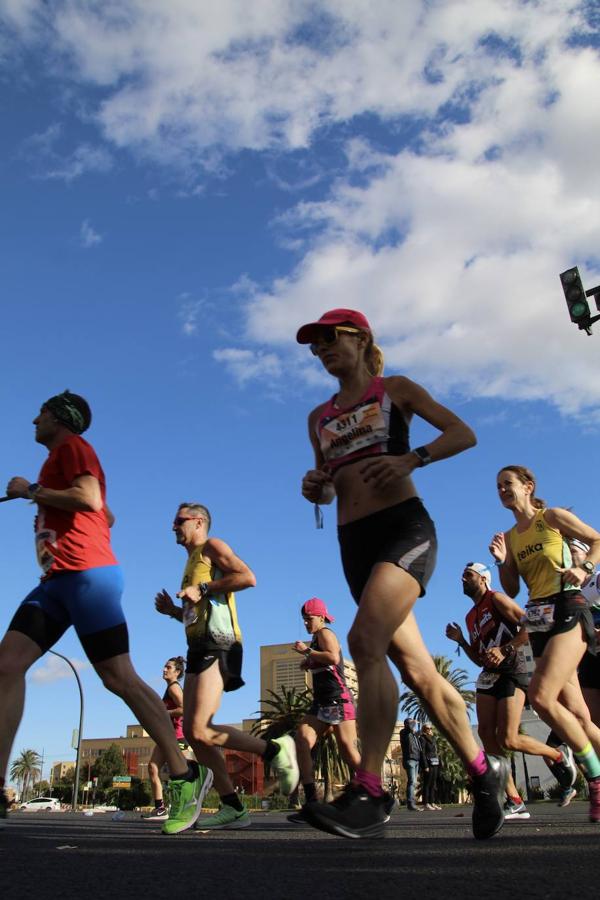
{"x": 179, "y": 520}
{"x": 329, "y": 335}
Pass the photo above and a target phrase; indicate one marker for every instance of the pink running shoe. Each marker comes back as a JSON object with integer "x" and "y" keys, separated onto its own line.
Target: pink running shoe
{"x": 594, "y": 789}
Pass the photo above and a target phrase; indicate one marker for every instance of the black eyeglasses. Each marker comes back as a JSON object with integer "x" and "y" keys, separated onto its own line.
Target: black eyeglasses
{"x": 179, "y": 520}
{"x": 328, "y": 336}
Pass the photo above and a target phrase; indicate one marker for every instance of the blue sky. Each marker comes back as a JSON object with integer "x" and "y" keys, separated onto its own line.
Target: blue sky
{"x": 182, "y": 189}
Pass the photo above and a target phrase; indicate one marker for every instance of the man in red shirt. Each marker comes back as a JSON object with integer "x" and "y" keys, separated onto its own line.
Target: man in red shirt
{"x": 81, "y": 585}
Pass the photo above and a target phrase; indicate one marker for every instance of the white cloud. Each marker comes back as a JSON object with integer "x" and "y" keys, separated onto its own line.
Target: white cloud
{"x": 88, "y": 236}
{"x": 247, "y": 365}
{"x": 52, "y": 668}
{"x": 450, "y": 234}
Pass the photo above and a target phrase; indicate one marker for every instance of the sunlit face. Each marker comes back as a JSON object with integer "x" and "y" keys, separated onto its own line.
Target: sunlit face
{"x": 343, "y": 353}
{"x": 511, "y": 490}
{"x": 313, "y": 623}
{"x": 472, "y": 583}
{"x": 185, "y": 524}
{"x": 170, "y": 671}
{"x": 46, "y": 426}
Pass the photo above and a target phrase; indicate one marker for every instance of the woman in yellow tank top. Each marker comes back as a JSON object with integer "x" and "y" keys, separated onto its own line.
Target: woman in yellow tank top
{"x": 558, "y": 619}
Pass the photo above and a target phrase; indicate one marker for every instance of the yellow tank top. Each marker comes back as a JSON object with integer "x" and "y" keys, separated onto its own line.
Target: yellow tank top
{"x": 214, "y": 619}
{"x": 536, "y": 551}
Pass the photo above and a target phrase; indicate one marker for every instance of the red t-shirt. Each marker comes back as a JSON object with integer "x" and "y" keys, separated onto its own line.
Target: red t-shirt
{"x": 65, "y": 540}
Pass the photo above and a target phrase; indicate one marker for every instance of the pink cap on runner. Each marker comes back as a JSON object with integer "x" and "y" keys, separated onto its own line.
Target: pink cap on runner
{"x": 316, "y": 607}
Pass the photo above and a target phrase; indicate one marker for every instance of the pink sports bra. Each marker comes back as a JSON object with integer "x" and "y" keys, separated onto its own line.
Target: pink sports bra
{"x": 372, "y": 427}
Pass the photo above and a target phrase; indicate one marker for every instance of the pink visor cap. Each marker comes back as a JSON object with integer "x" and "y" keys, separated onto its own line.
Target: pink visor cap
{"x": 307, "y": 333}
{"x": 316, "y": 607}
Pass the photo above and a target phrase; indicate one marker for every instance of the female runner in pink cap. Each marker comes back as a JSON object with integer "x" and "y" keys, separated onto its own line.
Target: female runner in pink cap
{"x": 388, "y": 544}
{"x": 333, "y": 709}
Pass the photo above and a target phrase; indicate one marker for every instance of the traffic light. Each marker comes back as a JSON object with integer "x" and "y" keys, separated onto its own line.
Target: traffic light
{"x": 572, "y": 286}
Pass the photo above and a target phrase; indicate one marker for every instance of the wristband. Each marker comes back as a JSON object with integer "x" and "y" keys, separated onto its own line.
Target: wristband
{"x": 499, "y": 562}
{"x": 33, "y": 489}
{"x": 203, "y": 588}
{"x": 422, "y": 453}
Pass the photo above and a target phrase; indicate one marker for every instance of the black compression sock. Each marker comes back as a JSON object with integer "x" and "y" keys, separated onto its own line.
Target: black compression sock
{"x": 310, "y": 792}
{"x": 232, "y": 800}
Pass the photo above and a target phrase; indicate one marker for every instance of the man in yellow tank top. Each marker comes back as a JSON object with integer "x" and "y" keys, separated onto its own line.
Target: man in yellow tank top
{"x": 214, "y": 662}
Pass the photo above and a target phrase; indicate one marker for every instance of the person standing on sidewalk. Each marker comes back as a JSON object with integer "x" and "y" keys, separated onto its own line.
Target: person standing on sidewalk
{"x": 413, "y": 762}
{"x": 431, "y": 767}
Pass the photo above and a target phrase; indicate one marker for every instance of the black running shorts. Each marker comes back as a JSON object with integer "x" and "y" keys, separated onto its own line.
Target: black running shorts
{"x": 200, "y": 657}
{"x": 403, "y": 535}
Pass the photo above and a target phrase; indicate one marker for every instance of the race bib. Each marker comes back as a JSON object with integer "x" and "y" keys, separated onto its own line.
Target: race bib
{"x": 487, "y": 680}
{"x": 331, "y": 715}
{"x": 352, "y": 431}
{"x": 539, "y": 617}
{"x": 43, "y": 541}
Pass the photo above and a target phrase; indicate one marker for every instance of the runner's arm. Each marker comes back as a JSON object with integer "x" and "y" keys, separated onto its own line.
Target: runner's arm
{"x": 455, "y": 633}
{"x": 163, "y": 603}
{"x": 505, "y": 561}
{"x": 572, "y": 527}
{"x": 329, "y": 652}
{"x": 455, "y": 436}
{"x": 236, "y": 575}
{"x": 84, "y": 494}
{"x": 317, "y": 484}
{"x": 176, "y": 695}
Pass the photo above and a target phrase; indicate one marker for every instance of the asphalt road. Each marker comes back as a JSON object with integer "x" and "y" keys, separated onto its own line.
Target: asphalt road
{"x": 424, "y": 855}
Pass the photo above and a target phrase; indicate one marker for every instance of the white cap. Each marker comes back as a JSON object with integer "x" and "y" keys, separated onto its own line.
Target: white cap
{"x": 482, "y": 570}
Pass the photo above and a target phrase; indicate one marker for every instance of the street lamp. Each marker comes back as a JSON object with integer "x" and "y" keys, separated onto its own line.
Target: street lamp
{"x": 77, "y": 763}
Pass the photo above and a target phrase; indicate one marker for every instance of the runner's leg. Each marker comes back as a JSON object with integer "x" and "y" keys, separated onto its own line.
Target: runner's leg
{"x": 119, "y": 677}
{"x": 17, "y": 654}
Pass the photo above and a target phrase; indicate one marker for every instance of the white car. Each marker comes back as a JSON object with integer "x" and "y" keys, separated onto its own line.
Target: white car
{"x": 41, "y": 803}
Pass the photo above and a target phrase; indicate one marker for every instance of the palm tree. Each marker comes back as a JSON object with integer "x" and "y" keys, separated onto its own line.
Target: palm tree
{"x": 280, "y": 713}
{"x": 452, "y": 776}
{"x": 329, "y": 765}
{"x": 413, "y": 706}
{"x": 25, "y": 769}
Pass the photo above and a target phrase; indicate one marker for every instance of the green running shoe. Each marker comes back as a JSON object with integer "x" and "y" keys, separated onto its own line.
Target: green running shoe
{"x": 226, "y": 817}
{"x": 285, "y": 764}
{"x": 186, "y": 799}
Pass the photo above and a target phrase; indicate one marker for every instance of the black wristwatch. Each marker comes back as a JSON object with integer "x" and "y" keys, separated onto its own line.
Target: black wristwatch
{"x": 33, "y": 489}
{"x": 589, "y": 567}
{"x": 423, "y": 454}
{"x": 203, "y": 588}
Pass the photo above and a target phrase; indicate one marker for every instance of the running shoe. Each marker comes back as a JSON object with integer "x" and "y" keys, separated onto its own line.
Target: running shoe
{"x": 354, "y": 814}
{"x": 488, "y": 792}
{"x": 285, "y": 764}
{"x": 186, "y": 799}
{"x": 412, "y": 807}
{"x": 514, "y": 810}
{"x": 565, "y": 770}
{"x": 155, "y": 815}
{"x": 299, "y": 817}
{"x": 389, "y": 804}
{"x": 226, "y": 817}
{"x": 594, "y": 789}
{"x": 566, "y": 796}
{"x": 3, "y": 809}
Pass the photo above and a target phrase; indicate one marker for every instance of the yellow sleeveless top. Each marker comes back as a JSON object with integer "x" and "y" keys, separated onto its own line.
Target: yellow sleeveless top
{"x": 213, "y": 620}
{"x": 536, "y": 551}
